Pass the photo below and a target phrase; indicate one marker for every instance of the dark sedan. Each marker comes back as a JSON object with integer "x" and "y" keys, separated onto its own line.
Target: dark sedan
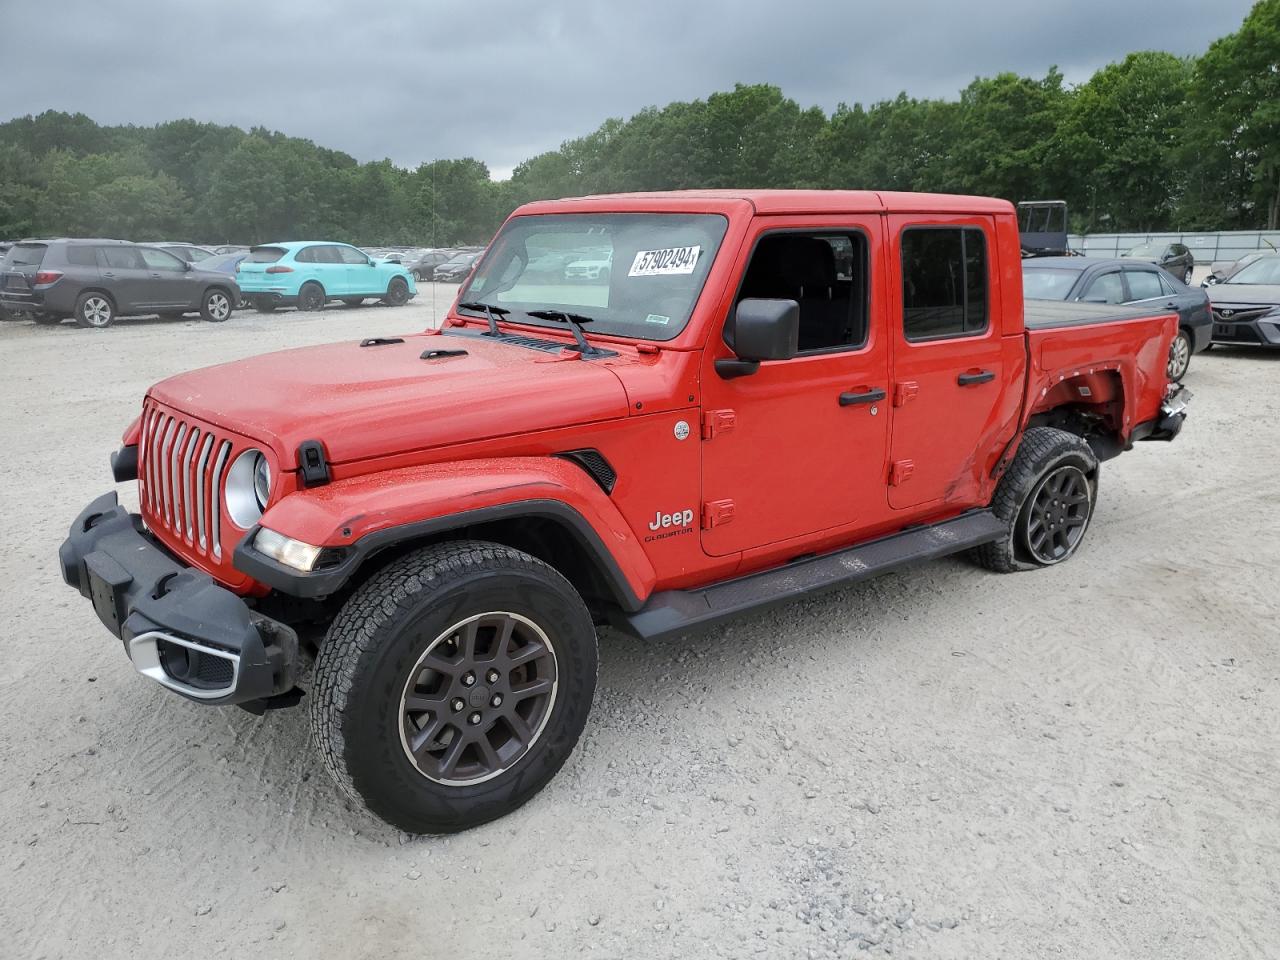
{"x": 1246, "y": 309}
{"x": 1125, "y": 281}
{"x": 456, "y": 270}
{"x": 1176, "y": 258}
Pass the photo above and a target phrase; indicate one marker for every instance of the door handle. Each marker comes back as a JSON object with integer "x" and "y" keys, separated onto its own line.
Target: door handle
{"x": 108, "y": 276}
{"x": 867, "y": 396}
{"x": 973, "y": 379}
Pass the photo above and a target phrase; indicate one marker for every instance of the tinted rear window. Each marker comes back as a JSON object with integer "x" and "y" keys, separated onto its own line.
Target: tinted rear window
{"x": 1039, "y": 283}
{"x": 265, "y": 254}
{"x": 27, "y": 255}
{"x": 81, "y": 256}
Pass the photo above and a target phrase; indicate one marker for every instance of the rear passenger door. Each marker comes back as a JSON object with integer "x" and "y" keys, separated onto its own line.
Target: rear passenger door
{"x": 948, "y": 368}
{"x": 124, "y": 276}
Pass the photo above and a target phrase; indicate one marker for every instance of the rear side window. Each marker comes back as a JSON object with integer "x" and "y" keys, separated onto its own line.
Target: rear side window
{"x": 944, "y": 282}
{"x": 82, "y": 256}
{"x": 1108, "y": 288}
{"x": 1143, "y": 285}
{"x": 266, "y": 254}
{"x": 27, "y": 254}
{"x": 119, "y": 258}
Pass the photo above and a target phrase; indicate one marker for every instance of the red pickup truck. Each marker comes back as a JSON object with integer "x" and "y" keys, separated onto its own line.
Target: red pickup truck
{"x": 757, "y": 395}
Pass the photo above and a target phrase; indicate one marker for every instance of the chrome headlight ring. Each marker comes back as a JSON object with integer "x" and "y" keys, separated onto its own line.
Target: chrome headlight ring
{"x": 248, "y": 488}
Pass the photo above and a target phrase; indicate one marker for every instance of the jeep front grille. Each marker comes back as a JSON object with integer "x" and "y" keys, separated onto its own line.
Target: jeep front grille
{"x": 181, "y": 465}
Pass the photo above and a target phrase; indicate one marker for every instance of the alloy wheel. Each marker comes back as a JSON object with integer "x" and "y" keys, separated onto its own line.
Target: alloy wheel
{"x": 1179, "y": 357}
{"x": 478, "y": 698}
{"x": 1057, "y": 514}
{"x": 219, "y": 306}
{"x": 96, "y": 312}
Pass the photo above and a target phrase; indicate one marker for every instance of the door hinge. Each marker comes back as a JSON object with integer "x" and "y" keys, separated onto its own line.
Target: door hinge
{"x": 901, "y": 471}
{"x": 716, "y": 422}
{"x": 902, "y": 392}
{"x": 716, "y": 513}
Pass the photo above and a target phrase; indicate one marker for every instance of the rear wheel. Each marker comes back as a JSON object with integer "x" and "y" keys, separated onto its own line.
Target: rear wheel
{"x": 1186, "y": 277}
{"x": 311, "y": 296}
{"x": 1047, "y": 498}
{"x": 216, "y": 306}
{"x": 94, "y": 310}
{"x": 453, "y": 685}
{"x": 1179, "y": 356}
{"x": 397, "y": 292}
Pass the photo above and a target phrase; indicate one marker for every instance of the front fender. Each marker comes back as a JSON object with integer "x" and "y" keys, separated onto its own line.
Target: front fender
{"x": 361, "y": 515}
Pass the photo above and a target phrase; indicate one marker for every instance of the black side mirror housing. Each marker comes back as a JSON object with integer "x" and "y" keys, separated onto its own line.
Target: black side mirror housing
{"x": 760, "y": 330}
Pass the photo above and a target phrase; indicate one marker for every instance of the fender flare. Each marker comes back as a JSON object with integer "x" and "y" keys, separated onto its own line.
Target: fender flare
{"x": 430, "y": 504}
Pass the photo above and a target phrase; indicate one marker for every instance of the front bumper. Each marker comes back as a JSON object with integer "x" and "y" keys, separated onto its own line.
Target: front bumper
{"x": 1260, "y": 332}
{"x": 178, "y": 626}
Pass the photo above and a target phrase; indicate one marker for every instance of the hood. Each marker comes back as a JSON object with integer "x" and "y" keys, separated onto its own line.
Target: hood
{"x": 364, "y": 402}
{"x": 1224, "y": 294}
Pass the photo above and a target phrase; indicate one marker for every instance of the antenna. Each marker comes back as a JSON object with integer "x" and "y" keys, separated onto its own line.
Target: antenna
{"x": 435, "y": 315}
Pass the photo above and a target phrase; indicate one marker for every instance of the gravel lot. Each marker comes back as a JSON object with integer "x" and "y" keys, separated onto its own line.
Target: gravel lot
{"x": 940, "y": 763}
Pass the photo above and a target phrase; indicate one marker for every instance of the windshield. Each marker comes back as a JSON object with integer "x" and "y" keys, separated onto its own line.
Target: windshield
{"x": 1266, "y": 271}
{"x": 1039, "y": 283}
{"x": 1147, "y": 250}
{"x": 634, "y": 274}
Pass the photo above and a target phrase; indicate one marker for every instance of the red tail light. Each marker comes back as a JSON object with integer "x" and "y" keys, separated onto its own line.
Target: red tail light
{"x": 279, "y": 269}
{"x": 46, "y": 276}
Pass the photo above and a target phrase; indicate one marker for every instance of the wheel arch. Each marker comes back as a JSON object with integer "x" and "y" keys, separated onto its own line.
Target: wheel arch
{"x": 101, "y": 291}
{"x": 1090, "y": 405}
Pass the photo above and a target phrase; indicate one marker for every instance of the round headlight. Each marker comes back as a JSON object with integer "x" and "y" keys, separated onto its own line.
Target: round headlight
{"x": 248, "y": 488}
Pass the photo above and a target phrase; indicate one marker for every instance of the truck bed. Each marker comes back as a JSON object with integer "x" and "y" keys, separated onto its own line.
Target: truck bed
{"x": 1051, "y": 314}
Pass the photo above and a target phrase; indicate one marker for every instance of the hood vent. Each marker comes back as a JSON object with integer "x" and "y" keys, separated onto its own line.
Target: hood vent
{"x": 532, "y": 343}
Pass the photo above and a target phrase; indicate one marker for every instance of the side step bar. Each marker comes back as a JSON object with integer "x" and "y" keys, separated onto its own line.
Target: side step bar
{"x": 675, "y": 611}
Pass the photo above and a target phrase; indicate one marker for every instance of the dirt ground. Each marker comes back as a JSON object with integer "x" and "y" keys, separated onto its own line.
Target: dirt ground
{"x": 1078, "y": 762}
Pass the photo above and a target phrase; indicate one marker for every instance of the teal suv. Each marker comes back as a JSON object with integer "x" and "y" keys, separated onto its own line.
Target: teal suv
{"x": 309, "y": 274}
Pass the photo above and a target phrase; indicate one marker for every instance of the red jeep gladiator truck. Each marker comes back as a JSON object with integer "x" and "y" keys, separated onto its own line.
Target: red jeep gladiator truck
{"x": 753, "y": 395}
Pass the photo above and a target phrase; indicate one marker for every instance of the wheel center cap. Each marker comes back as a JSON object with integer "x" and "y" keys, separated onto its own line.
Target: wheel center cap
{"x": 478, "y": 696}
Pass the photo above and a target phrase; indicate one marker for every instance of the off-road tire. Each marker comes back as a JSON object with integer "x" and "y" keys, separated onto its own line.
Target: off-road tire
{"x": 1043, "y": 450}
{"x": 94, "y": 310}
{"x": 311, "y": 297}
{"x": 369, "y": 654}
{"x": 216, "y": 305}
{"x": 397, "y": 292}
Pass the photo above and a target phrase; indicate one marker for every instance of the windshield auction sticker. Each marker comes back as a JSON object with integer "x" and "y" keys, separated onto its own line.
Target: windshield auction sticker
{"x": 661, "y": 263}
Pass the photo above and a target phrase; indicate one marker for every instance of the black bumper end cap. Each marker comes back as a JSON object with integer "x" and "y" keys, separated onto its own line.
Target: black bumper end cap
{"x": 124, "y": 464}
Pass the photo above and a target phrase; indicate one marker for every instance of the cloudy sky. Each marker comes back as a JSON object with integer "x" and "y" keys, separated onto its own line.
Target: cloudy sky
{"x": 503, "y": 80}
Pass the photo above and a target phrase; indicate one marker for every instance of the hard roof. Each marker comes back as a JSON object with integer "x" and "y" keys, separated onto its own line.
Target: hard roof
{"x": 787, "y": 201}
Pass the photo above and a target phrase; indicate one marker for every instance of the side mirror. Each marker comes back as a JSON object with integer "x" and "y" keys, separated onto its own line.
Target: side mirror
{"x": 186, "y": 266}
{"x": 760, "y": 330}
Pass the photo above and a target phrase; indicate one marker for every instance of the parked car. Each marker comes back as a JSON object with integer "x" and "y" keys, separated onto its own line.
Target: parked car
{"x": 1246, "y": 308}
{"x": 448, "y": 515}
{"x": 1126, "y": 282}
{"x": 96, "y": 281}
{"x": 227, "y": 263}
{"x": 456, "y": 269}
{"x": 591, "y": 268}
{"x": 189, "y": 252}
{"x": 1222, "y": 270}
{"x": 1176, "y": 258}
{"x": 424, "y": 268}
{"x": 231, "y": 248}
{"x": 309, "y": 274}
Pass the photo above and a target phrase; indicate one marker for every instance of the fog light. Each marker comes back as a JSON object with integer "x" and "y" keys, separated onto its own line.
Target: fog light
{"x": 286, "y": 550}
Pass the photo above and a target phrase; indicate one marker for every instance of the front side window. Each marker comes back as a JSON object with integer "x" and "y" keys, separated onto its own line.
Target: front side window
{"x": 634, "y": 274}
{"x": 944, "y": 282}
{"x": 352, "y": 256}
{"x": 825, "y": 273}
{"x": 160, "y": 260}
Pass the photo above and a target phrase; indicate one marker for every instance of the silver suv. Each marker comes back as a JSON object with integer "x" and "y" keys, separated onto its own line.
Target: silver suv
{"x": 95, "y": 281}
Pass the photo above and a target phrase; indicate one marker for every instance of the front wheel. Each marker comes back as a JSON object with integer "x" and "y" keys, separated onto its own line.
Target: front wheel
{"x": 1179, "y": 356}
{"x": 453, "y": 685}
{"x": 397, "y": 292}
{"x": 1046, "y": 498}
{"x": 216, "y": 306}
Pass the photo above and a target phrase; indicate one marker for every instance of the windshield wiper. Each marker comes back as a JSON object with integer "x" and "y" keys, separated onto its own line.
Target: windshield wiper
{"x": 575, "y": 322}
{"x": 489, "y": 311}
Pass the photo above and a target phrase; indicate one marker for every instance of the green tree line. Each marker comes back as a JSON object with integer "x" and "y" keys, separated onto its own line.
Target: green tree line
{"x": 1153, "y": 142}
